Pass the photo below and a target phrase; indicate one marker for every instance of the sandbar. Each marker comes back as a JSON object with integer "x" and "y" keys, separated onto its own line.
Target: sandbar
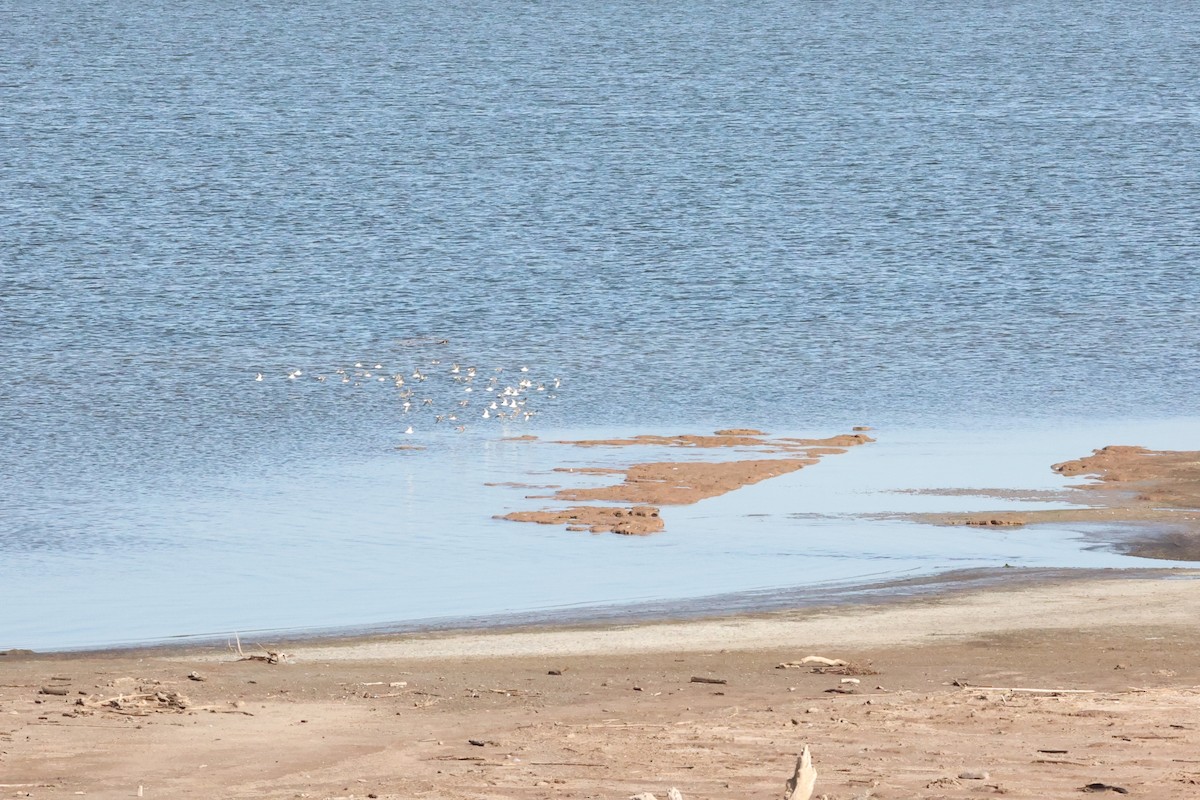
{"x": 663, "y": 483}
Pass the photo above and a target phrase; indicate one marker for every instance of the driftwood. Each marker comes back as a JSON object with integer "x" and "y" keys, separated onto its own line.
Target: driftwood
{"x": 138, "y": 705}
{"x": 1104, "y": 787}
{"x": 810, "y": 660}
{"x": 800, "y": 785}
{"x": 672, "y": 794}
{"x": 271, "y": 657}
{"x": 718, "y": 681}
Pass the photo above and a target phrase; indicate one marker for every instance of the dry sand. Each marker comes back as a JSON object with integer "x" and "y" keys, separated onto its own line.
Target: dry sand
{"x": 939, "y": 710}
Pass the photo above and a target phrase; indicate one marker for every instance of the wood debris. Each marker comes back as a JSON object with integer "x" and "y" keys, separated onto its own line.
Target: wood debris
{"x": 804, "y": 779}
{"x": 140, "y": 704}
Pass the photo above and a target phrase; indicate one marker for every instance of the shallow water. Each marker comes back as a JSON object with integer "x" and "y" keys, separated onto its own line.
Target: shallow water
{"x": 791, "y": 216}
{"x": 404, "y": 536}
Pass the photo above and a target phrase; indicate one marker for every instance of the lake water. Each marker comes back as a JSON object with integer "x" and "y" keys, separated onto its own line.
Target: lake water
{"x": 973, "y": 225}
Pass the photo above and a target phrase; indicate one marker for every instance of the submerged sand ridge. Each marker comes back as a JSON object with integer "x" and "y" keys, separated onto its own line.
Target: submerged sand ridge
{"x": 1133, "y": 485}
{"x": 654, "y": 484}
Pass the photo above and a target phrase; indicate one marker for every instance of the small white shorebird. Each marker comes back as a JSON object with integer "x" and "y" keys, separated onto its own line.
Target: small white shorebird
{"x": 258, "y": 377}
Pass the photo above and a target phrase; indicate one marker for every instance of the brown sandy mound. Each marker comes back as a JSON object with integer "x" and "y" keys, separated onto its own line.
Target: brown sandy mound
{"x": 681, "y": 483}
{"x": 636, "y": 521}
{"x": 1138, "y": 485}
{"x": 1161, "y": 477}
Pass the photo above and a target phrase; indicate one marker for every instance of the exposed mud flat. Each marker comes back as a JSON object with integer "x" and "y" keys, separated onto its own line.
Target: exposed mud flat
{"x": 665, "y": 483}
{"x": 636, "y": 521}
{"x": 1158, "y": 489}
{"x": 683, "y": 483}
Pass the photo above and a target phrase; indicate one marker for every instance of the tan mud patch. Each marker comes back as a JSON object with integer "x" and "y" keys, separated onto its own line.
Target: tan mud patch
{"x": 636, "y": 521}
{"x": 1160, "y": 477}
{"x": 683, "y": 482}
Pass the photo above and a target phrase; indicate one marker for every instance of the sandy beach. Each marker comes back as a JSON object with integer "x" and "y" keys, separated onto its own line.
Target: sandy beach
{"x": 1031, "y": 691}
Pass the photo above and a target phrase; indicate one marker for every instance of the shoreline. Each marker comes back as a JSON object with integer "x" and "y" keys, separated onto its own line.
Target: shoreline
{"x": 1031, "y": 689}
{"x": 1106, "y": 591}
{"x": 809, "y": 599}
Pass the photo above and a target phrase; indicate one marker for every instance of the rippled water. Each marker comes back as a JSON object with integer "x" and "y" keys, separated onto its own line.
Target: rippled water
{"x": 797, "y": 216}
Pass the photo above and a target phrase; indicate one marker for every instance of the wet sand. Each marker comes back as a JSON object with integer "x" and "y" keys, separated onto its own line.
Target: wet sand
{"x": 650, "y": 485}
{"x": 1156, "y": 492}
{"x": 950, "y": 696}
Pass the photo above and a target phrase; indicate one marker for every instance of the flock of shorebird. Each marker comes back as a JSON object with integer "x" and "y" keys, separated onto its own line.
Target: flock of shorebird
{"x": 455, "y": 394}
